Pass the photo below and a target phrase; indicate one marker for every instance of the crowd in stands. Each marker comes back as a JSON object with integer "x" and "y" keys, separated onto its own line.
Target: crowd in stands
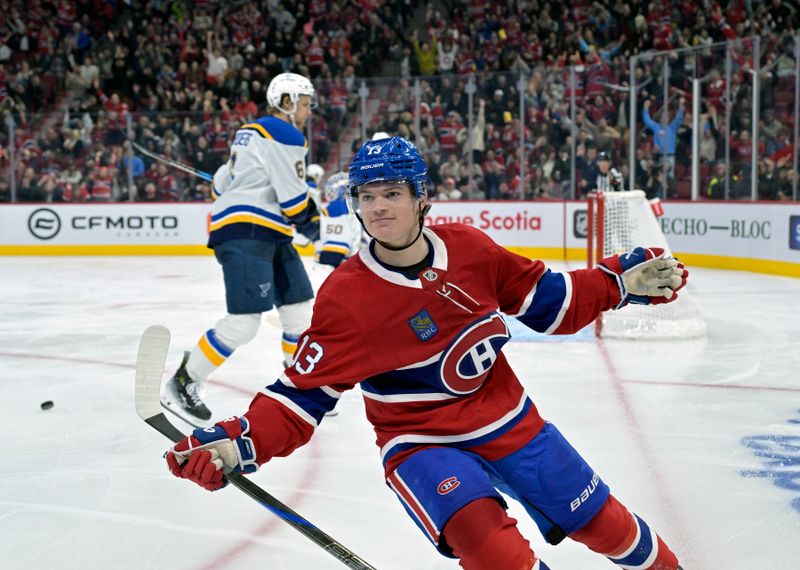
{"x": 543, "y": 40}
{"x": 186, "y": 75}
{"x": 181, "y": 76}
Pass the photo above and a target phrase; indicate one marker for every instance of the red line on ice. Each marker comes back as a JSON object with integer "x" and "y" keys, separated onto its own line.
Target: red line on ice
{"x": 229, "y": 555}
{"x": 669, "y": 510}
{"x": 250, "y": 392}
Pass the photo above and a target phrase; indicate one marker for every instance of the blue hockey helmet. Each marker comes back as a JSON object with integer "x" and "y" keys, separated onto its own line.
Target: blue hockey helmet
{"x": 335, "y": 186}
{"x": 387, "y": 160}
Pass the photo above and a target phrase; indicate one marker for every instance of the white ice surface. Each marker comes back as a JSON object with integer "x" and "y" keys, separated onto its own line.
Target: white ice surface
{"x": 84, "y": 485}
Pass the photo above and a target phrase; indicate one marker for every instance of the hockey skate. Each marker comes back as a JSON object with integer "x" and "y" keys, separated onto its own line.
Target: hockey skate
{"x": 180, "y": 395}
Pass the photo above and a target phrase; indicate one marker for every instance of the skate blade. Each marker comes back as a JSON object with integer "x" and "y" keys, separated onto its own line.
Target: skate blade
{"x": 185, "y": 417}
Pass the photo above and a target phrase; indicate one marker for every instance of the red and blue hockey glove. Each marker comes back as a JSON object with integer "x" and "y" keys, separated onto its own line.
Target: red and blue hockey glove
{"x": 646, "y": 276}
{"x": 201, "y": 457}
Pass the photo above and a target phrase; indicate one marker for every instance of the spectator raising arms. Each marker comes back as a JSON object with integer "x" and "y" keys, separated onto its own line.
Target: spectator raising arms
{"x": 665, "y": 137}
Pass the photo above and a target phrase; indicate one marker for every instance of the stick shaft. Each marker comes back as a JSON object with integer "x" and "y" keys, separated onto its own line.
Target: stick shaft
{"x": 174, "y": 163}
{"x": 153, "y": 349}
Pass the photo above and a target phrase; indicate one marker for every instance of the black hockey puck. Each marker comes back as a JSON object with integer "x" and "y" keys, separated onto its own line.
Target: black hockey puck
{"x": 47, "y": 405}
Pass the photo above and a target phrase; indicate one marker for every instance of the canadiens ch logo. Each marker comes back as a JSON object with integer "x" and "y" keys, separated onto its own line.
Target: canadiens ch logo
{"x": 423, "y": 326}
{"x": 448, "y": 485}
{"x": 465, "y": 365}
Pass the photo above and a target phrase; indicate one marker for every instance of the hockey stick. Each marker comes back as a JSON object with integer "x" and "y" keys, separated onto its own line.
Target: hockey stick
{"x": 150, "y": 361}
{"x": 182, "y": 418}
{"x": 174, "y": 163}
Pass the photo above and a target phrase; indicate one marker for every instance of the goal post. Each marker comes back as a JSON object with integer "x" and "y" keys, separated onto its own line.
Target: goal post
{"x": 619, "y": 222}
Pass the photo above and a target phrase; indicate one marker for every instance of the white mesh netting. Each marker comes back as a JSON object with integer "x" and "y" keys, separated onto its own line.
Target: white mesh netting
{"x": 629, "y": 222}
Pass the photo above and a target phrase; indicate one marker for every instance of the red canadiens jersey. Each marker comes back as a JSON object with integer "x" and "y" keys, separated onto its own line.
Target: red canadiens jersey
{"x": 427, "y": 352}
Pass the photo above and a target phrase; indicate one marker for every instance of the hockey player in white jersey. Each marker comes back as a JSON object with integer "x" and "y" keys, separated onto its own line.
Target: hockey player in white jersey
{"x": 314, "y": 175}
{"x": 609, "y": 179}
{"x": 306, "y": 235}
{"x": 260, "y": 193}
{"x": 340, "y": 232}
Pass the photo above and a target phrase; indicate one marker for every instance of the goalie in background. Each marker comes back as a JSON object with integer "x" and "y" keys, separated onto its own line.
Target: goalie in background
{"x": 414, "y": 320}
{"x": 339, "y": 230}
{"x": 260, "y": 194}
{"x": 609, "y": 179}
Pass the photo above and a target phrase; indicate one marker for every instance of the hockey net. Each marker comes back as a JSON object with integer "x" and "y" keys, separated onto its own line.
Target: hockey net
{"x": 619, "y": 222}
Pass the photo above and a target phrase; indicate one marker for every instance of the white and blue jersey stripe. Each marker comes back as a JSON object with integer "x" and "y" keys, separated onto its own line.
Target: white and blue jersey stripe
{"x": 261, "y": 190}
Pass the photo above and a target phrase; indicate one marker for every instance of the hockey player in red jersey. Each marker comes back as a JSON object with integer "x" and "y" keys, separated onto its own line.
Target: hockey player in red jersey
{"x": 415, "y": 319}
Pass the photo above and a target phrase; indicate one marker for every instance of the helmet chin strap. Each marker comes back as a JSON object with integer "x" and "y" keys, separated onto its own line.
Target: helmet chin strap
{"x": 291, "y": 113}
{"x": 293, "y": 120}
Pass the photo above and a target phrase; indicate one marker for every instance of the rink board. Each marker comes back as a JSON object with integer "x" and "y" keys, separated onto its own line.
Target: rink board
{"x": 762, "y": 236}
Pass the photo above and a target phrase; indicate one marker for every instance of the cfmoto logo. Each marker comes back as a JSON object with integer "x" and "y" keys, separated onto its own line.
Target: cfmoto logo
{"x": 44, "y": 223}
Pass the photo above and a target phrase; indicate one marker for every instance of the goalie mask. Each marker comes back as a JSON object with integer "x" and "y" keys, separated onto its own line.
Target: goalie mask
{"x": 336, "y": 186}
{"x": 389, "y": 160}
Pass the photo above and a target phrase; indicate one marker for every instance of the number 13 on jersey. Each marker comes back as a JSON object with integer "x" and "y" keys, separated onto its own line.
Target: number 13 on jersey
{"x": 306, "y": 357}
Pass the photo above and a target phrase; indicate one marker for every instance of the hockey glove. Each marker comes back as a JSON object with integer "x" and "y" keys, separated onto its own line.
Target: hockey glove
{"x": 645, "y": 276}
{"x": 202, "y": 456}
{"x": 309, "y": 229}
{"x": 330, "y": 259}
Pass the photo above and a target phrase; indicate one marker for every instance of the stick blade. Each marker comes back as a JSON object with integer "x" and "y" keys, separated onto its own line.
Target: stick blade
{"x": 152, "y": 357}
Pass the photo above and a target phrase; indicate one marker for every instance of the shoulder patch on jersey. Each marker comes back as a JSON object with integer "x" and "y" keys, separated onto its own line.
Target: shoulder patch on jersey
{"x": 278, "y": 130}
{"x": 423, "y": 326}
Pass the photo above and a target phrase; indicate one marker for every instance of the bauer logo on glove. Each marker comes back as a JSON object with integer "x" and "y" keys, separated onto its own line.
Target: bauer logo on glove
{"x": 646, "y": 276}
